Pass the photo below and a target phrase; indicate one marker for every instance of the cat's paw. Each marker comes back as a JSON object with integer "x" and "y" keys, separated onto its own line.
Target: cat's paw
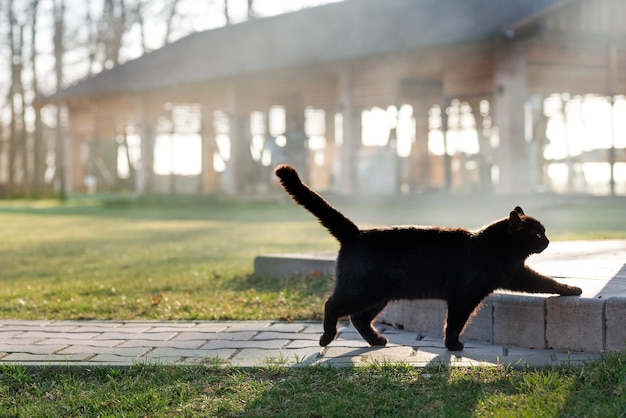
{"x": 454, "y": 346}
{"x": 326, "y": 339}
{"x": 571, "y": 291}
{"x": 379, "y": 340}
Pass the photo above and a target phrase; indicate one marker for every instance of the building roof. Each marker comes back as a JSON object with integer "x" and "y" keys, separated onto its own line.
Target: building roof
{"x": 334, "y": 32}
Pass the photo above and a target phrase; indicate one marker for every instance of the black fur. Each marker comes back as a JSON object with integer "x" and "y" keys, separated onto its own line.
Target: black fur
{"x": 376, "y": 266}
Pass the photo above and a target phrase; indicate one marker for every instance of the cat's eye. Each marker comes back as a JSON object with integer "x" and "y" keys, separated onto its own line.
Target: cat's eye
{"x": 539, "y": 235}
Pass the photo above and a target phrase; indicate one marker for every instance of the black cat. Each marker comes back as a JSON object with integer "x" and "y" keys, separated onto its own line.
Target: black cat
{"x": 375, "y": 266}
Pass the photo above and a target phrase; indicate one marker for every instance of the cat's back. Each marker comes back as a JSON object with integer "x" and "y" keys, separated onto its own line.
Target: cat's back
{"x": 411, "y": 239}
{"x": 388, "y": 259}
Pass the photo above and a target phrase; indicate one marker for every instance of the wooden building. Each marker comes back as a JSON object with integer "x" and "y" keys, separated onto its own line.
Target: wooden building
{"x": 490, "y": 62}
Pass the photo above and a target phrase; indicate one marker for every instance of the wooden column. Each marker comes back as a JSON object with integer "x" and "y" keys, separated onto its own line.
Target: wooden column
{"x": 537, "y": 143}
{"x": 231, "y": 175}
{"x": 296, "y": 147}
{"x": 330, "y": 148}
{"x": 485, "y": 156}
{"x": 422, "y": 94}
{"x": 420, "y": 161}
{"x": 72, "y": 168}
{"x": 509, "y": 98}
{"x": 447, "y": 158}
{"x": 613, "y": 65}
{"x": 346, "y": 175}
{"x": 81, "y": 122}
{"x": 208, "y": 178}
{"x": 146, "y": 127}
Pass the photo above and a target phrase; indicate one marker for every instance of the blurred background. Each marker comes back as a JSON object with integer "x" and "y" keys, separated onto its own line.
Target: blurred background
{"x": 367, "y": 97}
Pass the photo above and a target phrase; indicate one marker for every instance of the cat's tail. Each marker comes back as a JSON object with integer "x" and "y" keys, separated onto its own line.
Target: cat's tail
{"x": 337, "y": 224}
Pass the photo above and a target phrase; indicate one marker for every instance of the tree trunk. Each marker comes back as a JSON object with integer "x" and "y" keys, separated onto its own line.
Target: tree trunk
{"x": 168, "y": 21}
{"x": 38, "y": 161}
{"x": 226, "y": 12}
{"x": 16, "y": 92}
{"x": 59, "y": 160}
{"x": 21, "y": 157}
{"x": 112, "y": 30}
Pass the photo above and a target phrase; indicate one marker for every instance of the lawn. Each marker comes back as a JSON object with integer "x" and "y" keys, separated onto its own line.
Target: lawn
{"x": 90, "y": 261}
{"x": 98, "y": 259}
{"x": 594, "y": 390}
{"x": 93, "y": 259}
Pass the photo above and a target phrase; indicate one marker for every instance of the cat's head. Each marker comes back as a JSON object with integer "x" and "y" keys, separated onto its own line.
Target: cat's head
{"x": 527, "y": 231}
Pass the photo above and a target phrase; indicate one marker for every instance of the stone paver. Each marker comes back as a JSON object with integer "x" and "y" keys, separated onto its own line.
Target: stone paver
{"x": 520, "y": 320}
{"x": 578, "y": 324}
{"x": 243, "y": 344}
{"x": 615, "y": 313}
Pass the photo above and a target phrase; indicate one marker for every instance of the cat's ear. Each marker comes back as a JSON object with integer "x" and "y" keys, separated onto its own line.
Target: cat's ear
{"x": 519, "y": 210}
{"x": 514, "y": 219}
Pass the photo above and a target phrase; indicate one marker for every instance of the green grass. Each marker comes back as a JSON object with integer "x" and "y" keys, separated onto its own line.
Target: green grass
{"x": 596, "y": 389}
{"x": 164, "y": 262}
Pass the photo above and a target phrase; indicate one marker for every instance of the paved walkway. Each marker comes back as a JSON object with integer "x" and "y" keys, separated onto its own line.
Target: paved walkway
{"x": 241, "y": 343}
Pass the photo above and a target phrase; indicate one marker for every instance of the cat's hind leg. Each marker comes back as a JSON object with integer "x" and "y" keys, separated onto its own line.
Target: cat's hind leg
{"x": 362, "y": 315}
{"x": 331, "y": 316}
{"x": 363, "y": 320}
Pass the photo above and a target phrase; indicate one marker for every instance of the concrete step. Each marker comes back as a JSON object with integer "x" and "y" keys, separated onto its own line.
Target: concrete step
{"x": 592, "y": 323}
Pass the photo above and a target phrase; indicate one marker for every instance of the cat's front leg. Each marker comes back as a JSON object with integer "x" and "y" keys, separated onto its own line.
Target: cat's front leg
{"x": 454, "y": 345}
{"x": 528, "y": 280}
{"x": 458, "y": 314}
{"x": 565, "y": 290}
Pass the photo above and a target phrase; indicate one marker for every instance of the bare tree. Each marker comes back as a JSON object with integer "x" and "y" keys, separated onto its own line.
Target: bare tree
{"x": 226, "y": 12}
{"x": 112, "y": 29}
{"x": 99, "y": 37}
{"x": 59, "y": 51}
{"x": 2, "y": 88}
{"x": 137, "y": 14}
{"x": 91, "y": 43}
{"x": 38, "y": 160}
{"x": 170, "y": 14}
{"x": 251, "y": 12}
{"x": 9, "y": 148}
{"x": 15, "y": 100}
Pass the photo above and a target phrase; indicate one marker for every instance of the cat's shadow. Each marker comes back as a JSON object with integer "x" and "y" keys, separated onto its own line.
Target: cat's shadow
{"x": 349, "y": 349}
{"x": 423, "y": 356}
